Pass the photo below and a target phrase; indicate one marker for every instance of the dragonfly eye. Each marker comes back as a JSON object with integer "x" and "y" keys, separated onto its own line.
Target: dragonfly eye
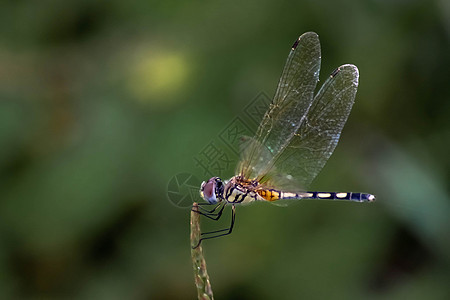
{"x": 208, "y": 190}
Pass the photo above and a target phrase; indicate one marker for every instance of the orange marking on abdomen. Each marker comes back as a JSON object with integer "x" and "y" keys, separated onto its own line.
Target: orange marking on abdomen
{"x": 269, "y": 195}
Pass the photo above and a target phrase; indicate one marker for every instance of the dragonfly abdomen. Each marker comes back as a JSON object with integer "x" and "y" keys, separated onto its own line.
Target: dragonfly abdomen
{"x": 357, "y": 197}
{"x": 270, "y": 194}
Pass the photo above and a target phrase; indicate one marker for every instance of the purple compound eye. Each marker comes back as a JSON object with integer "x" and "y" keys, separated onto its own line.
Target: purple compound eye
{"x": 208, "y": 190}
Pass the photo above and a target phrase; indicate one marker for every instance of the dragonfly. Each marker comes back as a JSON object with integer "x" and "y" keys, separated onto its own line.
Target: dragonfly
{"x": 294, "y": 140}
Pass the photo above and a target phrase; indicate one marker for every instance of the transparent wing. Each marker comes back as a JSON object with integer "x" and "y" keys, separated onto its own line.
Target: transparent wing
{"x": 317, "y": 135}
{"x": 291, "y": 102}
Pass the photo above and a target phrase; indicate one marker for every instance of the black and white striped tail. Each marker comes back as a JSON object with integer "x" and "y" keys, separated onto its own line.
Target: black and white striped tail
{"x": 356, "y": 197}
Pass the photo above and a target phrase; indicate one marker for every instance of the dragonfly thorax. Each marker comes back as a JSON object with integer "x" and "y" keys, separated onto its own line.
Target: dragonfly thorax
{"x": 212, "y": 190}
{"x": 239, "y": 190}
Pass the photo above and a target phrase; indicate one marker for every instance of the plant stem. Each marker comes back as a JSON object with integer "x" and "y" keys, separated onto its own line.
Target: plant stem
{"x": 201, "y": 277}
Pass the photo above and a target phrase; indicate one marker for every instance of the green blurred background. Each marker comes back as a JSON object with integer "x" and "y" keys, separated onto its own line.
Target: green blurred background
{"x": 102, "y": 103}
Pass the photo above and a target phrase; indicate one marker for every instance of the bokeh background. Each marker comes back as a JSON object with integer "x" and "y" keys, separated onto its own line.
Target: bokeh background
{"x": 102, "y": 103}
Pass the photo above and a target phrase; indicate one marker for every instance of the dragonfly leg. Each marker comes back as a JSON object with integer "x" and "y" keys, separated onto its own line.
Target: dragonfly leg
{"x": 229, "y": 229}
{"x": 209, "y": 211}
{"x": 210, "y": 214}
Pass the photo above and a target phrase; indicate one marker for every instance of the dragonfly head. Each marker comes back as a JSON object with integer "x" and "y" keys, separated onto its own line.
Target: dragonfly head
{"x": 212, "y": 190}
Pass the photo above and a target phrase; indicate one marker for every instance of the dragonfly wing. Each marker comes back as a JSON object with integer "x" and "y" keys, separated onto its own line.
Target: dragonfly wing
{"x": 318, "y": 134}
{"x": 291, "y": 102}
